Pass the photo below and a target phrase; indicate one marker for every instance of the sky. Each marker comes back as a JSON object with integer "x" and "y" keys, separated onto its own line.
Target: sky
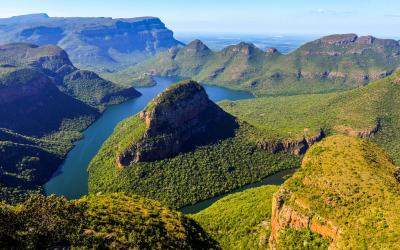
{"x": 313, "y": 17}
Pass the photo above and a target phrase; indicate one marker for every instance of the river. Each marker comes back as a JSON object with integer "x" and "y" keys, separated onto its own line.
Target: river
{"x": 275, "y": 179}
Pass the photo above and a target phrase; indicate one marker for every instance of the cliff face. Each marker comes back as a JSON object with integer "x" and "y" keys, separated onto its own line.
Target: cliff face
{"x": 346, "y": 190}
{"x": 294, "y": 147}
{"x": 92, "y": 42}
{"x": 285, "y": 216}
{"x": 178, "y": 120}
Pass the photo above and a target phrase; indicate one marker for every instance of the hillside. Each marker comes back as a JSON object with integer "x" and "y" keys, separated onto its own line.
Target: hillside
{"x": 100, "y": 44}
{"x": 240, "y": 220}
{"x": 182, "y": 149}
{"x": 370, "y": 112}
{"x": 359, "y": 211}
{"x": 328, "y": 64}
{"x": 54, "y": 63}
{"x": 113, "y": 221}
{"x": 45, "y": 102}
{"x": 243, "y": 221}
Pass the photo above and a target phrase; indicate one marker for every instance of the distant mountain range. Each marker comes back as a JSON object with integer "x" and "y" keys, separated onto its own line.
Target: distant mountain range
{"x": 93, "y": 43}
{"x": 331, "y": 63}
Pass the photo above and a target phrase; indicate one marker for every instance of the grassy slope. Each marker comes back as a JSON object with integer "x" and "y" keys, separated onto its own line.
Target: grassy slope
{"x": 186, "y": 178}
{"x": 113, "y": 221}
{"x": 350, "y": 182}
{"x": 358, "y": 109}
{"x": 238, "y": 221}
{"x": 242, "y": 221}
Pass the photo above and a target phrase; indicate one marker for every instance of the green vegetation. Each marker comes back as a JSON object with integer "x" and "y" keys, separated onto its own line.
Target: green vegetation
{"x": 189, "y": 177}
{"x": 45, "y": 103}
{"x": 349, "y": 112}
{"x": 240, "y": 220}
{"x": 301, "y": 240}
{"x": 349, "y": 185}
{"x": 326, "y": 65}
{"x": 113, "y": 221}
{"x": 95, "y": 91}
{"x": 223, "y": 157}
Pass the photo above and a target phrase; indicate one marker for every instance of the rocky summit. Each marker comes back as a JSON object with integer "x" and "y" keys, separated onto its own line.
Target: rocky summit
{"x": 179, "y": 119}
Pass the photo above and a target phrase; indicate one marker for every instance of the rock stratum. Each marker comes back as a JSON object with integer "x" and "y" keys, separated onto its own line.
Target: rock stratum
{"x": 178, "y": 120}
{"x": 328, "y": 64}
{"x": 96, "y": 43}
{"x": 346, "y": 191}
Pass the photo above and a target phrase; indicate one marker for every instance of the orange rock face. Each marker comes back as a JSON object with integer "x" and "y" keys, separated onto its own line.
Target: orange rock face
{"x": 285, "y": 216}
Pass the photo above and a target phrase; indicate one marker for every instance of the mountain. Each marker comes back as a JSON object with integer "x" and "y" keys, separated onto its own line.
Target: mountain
{"x": 54, "y": 63}
{"x": 45, "y": 102}
{"x": 182, "y": 149}
{"x": 331, "y": 63}
{"x": 178, "y": 120}
{"x": 113, "y": 221}
{"x": 347, "y": 190}
{"x": 92, "y": 43}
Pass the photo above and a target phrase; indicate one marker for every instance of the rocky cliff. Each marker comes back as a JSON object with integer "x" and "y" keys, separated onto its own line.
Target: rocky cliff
{"x": 178, "y": 120}
{"x": 346, "y": 191}
{"x": 97, "y": 43}
{"x": 294, "y": 147}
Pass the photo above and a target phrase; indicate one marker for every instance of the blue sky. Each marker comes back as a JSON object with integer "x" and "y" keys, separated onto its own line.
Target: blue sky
{"x": 376, "y": 17}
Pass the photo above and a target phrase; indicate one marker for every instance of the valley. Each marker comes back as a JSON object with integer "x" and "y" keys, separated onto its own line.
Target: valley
{"x": 74, "y": 168}
{"x": 116, "y": 133}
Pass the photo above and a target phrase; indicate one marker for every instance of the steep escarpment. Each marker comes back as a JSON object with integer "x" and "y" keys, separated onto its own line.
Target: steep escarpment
{"x": 292, "y": 146}
{"x": 346, "y": 191}
{"x": 178, "y": 120}
{"x": 91, "y": 223}
{"x": 100, "y": 44}
{"x": 331, "y": 63}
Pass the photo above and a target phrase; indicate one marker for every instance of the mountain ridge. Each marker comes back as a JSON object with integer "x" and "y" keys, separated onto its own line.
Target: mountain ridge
{"x": 332, "y": 63}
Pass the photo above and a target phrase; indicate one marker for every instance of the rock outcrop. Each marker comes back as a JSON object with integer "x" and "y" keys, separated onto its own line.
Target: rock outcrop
{"x": 367, "y": 133}
{"x": 294, "y": 147}
{"x": 346, "y": 190}
{"x": 178, "y": 120}
{"x": 285, "y": 216}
